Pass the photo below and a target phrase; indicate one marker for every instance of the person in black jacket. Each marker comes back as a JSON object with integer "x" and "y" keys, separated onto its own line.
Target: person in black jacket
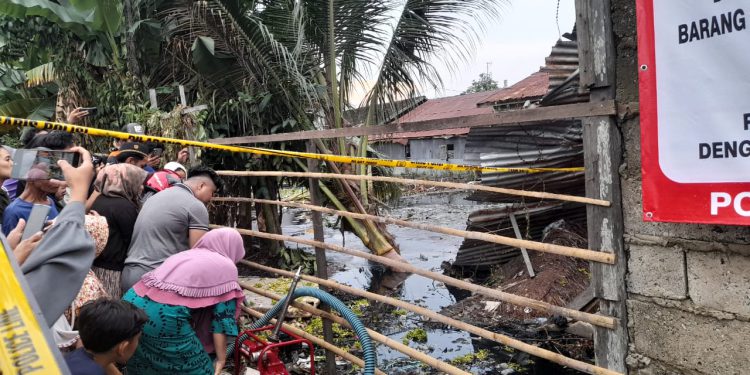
{"x": 119, "y": 187}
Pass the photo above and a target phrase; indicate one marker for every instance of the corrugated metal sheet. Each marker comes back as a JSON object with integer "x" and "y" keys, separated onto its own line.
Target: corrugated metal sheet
{"x": 561, "y": 63}
{"x": 530, "y": 88}
{"x": 449, "y": 107}
{"x": 562, "y": 66}
{"x": 548, "y": 145}
{"x": 544, "y": 145}
{"x": 532, "y": 219}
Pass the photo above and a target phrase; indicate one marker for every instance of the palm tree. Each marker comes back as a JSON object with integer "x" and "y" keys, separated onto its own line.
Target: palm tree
{"x": 270, "y": 66}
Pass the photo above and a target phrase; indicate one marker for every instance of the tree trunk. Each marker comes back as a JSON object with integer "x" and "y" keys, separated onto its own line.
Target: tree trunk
{"x": 269, "y": 219}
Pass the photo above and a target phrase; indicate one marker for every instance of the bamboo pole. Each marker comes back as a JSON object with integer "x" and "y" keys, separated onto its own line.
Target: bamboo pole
{"x": 393, "y": 344}
{"x": 409, "y": 181}
{"x": 598, "y": 320}
{"x": 505, "y": 340}
{"x": 596, "y": 256}
{"x": 316, "y": 340}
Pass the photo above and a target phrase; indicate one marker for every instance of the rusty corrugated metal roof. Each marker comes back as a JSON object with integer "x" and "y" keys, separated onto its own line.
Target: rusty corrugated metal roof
{"x": 529, "y": 88}
{"x": 448, "y": 107}
{"x": 442, "y": 108}
{"x": 547, "y": 144}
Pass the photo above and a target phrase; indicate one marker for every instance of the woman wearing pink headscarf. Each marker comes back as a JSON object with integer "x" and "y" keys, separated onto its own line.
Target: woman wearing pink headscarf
{"x": 192, "y": 301}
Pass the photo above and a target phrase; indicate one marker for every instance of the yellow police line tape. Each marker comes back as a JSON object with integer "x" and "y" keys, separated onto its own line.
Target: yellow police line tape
{"x": 24, "y": 347}
{"x": 48, "y": 125}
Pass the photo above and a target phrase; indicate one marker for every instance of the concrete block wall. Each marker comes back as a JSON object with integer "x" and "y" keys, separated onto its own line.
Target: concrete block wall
{"x": 688, "y": 285}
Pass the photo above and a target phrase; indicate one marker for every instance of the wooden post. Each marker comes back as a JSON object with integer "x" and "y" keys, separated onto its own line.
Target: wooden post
{"x": 602, "y": 159}
{"x": 152, "y": 98}
{"x": 183, "y": 100}
{"x": 529, "y": 266}
{"x": 321, "y": 264}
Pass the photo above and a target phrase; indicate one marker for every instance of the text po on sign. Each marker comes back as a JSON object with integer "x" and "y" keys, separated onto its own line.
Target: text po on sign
{"x": 694, "y": 61}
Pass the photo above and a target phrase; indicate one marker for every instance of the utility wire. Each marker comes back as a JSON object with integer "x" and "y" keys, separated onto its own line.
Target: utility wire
{"x": 557, "y": 20}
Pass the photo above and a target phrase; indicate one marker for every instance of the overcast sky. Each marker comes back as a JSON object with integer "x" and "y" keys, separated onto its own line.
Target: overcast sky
{"x": 515, "y": 45}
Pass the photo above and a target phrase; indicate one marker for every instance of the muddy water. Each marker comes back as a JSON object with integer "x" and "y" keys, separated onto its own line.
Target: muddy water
{"x": 425, "y": 250}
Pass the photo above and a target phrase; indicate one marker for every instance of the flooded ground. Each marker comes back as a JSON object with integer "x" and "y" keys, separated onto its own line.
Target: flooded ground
{"x": 425, "y": 250}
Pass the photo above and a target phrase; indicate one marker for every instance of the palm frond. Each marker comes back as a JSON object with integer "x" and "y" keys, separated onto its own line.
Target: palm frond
{"x": 427, "y": 30}
{"x": 247, "y": 55}
{"x": 40, "y": 75}
{"x": 359, "y": 26}
{"x": 33, "y": 108}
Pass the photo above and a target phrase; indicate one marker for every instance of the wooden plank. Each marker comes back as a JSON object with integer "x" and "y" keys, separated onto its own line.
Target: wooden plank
{"x": 583, "y": 31}
{"x": 602, "y": 158}
{"x": 194, "y": 109}
{"x": 569, "y": 111}
{"x": 594, "y": 30}
{"x": 183, "y": 101}
{"x": 524, "y": 253}
{"x": 152, "y": 98}
{"x": 321, "y": 263}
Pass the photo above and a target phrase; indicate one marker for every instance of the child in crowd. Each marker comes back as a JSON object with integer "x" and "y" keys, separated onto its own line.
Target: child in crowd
{"x": 110, "y": 331}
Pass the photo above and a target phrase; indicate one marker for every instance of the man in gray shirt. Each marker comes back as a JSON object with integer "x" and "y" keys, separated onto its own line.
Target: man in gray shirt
{"x": 169, "y": 222}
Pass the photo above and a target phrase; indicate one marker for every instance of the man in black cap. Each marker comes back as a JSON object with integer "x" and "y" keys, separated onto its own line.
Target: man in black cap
{"x": 131, "y": 128}
{"x": 131, "y": 153}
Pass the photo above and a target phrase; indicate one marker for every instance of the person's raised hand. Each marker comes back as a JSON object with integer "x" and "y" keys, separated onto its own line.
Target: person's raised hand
{"x": 154, "y": 161}
{"x": 78, "y": 179}
{"x": 14, "y": 237}
{"x": 76, "y": 115}
{"x": 25, "y": 247}
{"x": 183, "y": 155}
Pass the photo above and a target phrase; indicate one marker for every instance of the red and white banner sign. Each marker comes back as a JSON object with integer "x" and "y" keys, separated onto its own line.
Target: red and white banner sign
{"x": 694, "y": 72}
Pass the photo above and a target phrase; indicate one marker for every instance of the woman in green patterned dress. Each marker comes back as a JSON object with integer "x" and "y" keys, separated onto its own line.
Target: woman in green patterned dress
{"x": 192, "y": 301}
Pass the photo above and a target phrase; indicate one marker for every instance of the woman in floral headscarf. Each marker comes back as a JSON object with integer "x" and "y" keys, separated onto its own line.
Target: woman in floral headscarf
{"x": 92, "y": 289}
{"x": 119, "y": 187}
{"x": 192, "y": 301}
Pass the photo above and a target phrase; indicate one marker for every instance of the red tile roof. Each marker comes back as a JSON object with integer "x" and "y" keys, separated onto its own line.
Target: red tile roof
{"x": 531, "y": 87}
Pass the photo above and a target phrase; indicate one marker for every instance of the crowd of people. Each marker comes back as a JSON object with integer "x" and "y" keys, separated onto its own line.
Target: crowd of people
{"x": 126, "y": 271}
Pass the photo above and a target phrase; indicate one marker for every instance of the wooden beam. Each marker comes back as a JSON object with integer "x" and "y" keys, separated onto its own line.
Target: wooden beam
{"x": 602, "y": 147}
{"x": 595, "y": 319}
{"x": 393, "y": 344}
{"x": 152, "y": 98}
{"x": 561, "y": 112}
{"x": 409, "y": 181}
{"x": 592, "y": 255}
{"x": 321, "y": 263}
{"x": 315, "y": 340}
{"x": 431, "y": 315}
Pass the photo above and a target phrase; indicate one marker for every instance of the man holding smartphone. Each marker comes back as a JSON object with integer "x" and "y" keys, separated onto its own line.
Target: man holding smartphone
{"x": 36, "y": 191}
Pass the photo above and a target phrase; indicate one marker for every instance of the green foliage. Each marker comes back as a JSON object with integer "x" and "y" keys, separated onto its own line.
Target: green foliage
{"x": 416, "y": 335}
{"x": 281, "y": 285}
{"x": 399, "y": 312}
{"x": 471, "y": 358}
{"x": 358, "y": 306}
{"x": 484, "y": 83}
{"x": 291, "y": 259}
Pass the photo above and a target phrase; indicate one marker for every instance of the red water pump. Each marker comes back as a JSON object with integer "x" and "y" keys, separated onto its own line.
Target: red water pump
{"x": 268, "y": 355}
{"x": 281, "y": 345}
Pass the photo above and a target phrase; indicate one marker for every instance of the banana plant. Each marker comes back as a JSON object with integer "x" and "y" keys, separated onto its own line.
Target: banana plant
{"x": 96, "y": 22}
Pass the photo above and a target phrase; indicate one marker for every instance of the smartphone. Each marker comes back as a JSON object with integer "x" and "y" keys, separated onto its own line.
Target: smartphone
{"x": 39, "y": 164}
{"x": 36, "y": 221}
{"x": 157, "y": 151}
{"x": 92, "y": 111}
